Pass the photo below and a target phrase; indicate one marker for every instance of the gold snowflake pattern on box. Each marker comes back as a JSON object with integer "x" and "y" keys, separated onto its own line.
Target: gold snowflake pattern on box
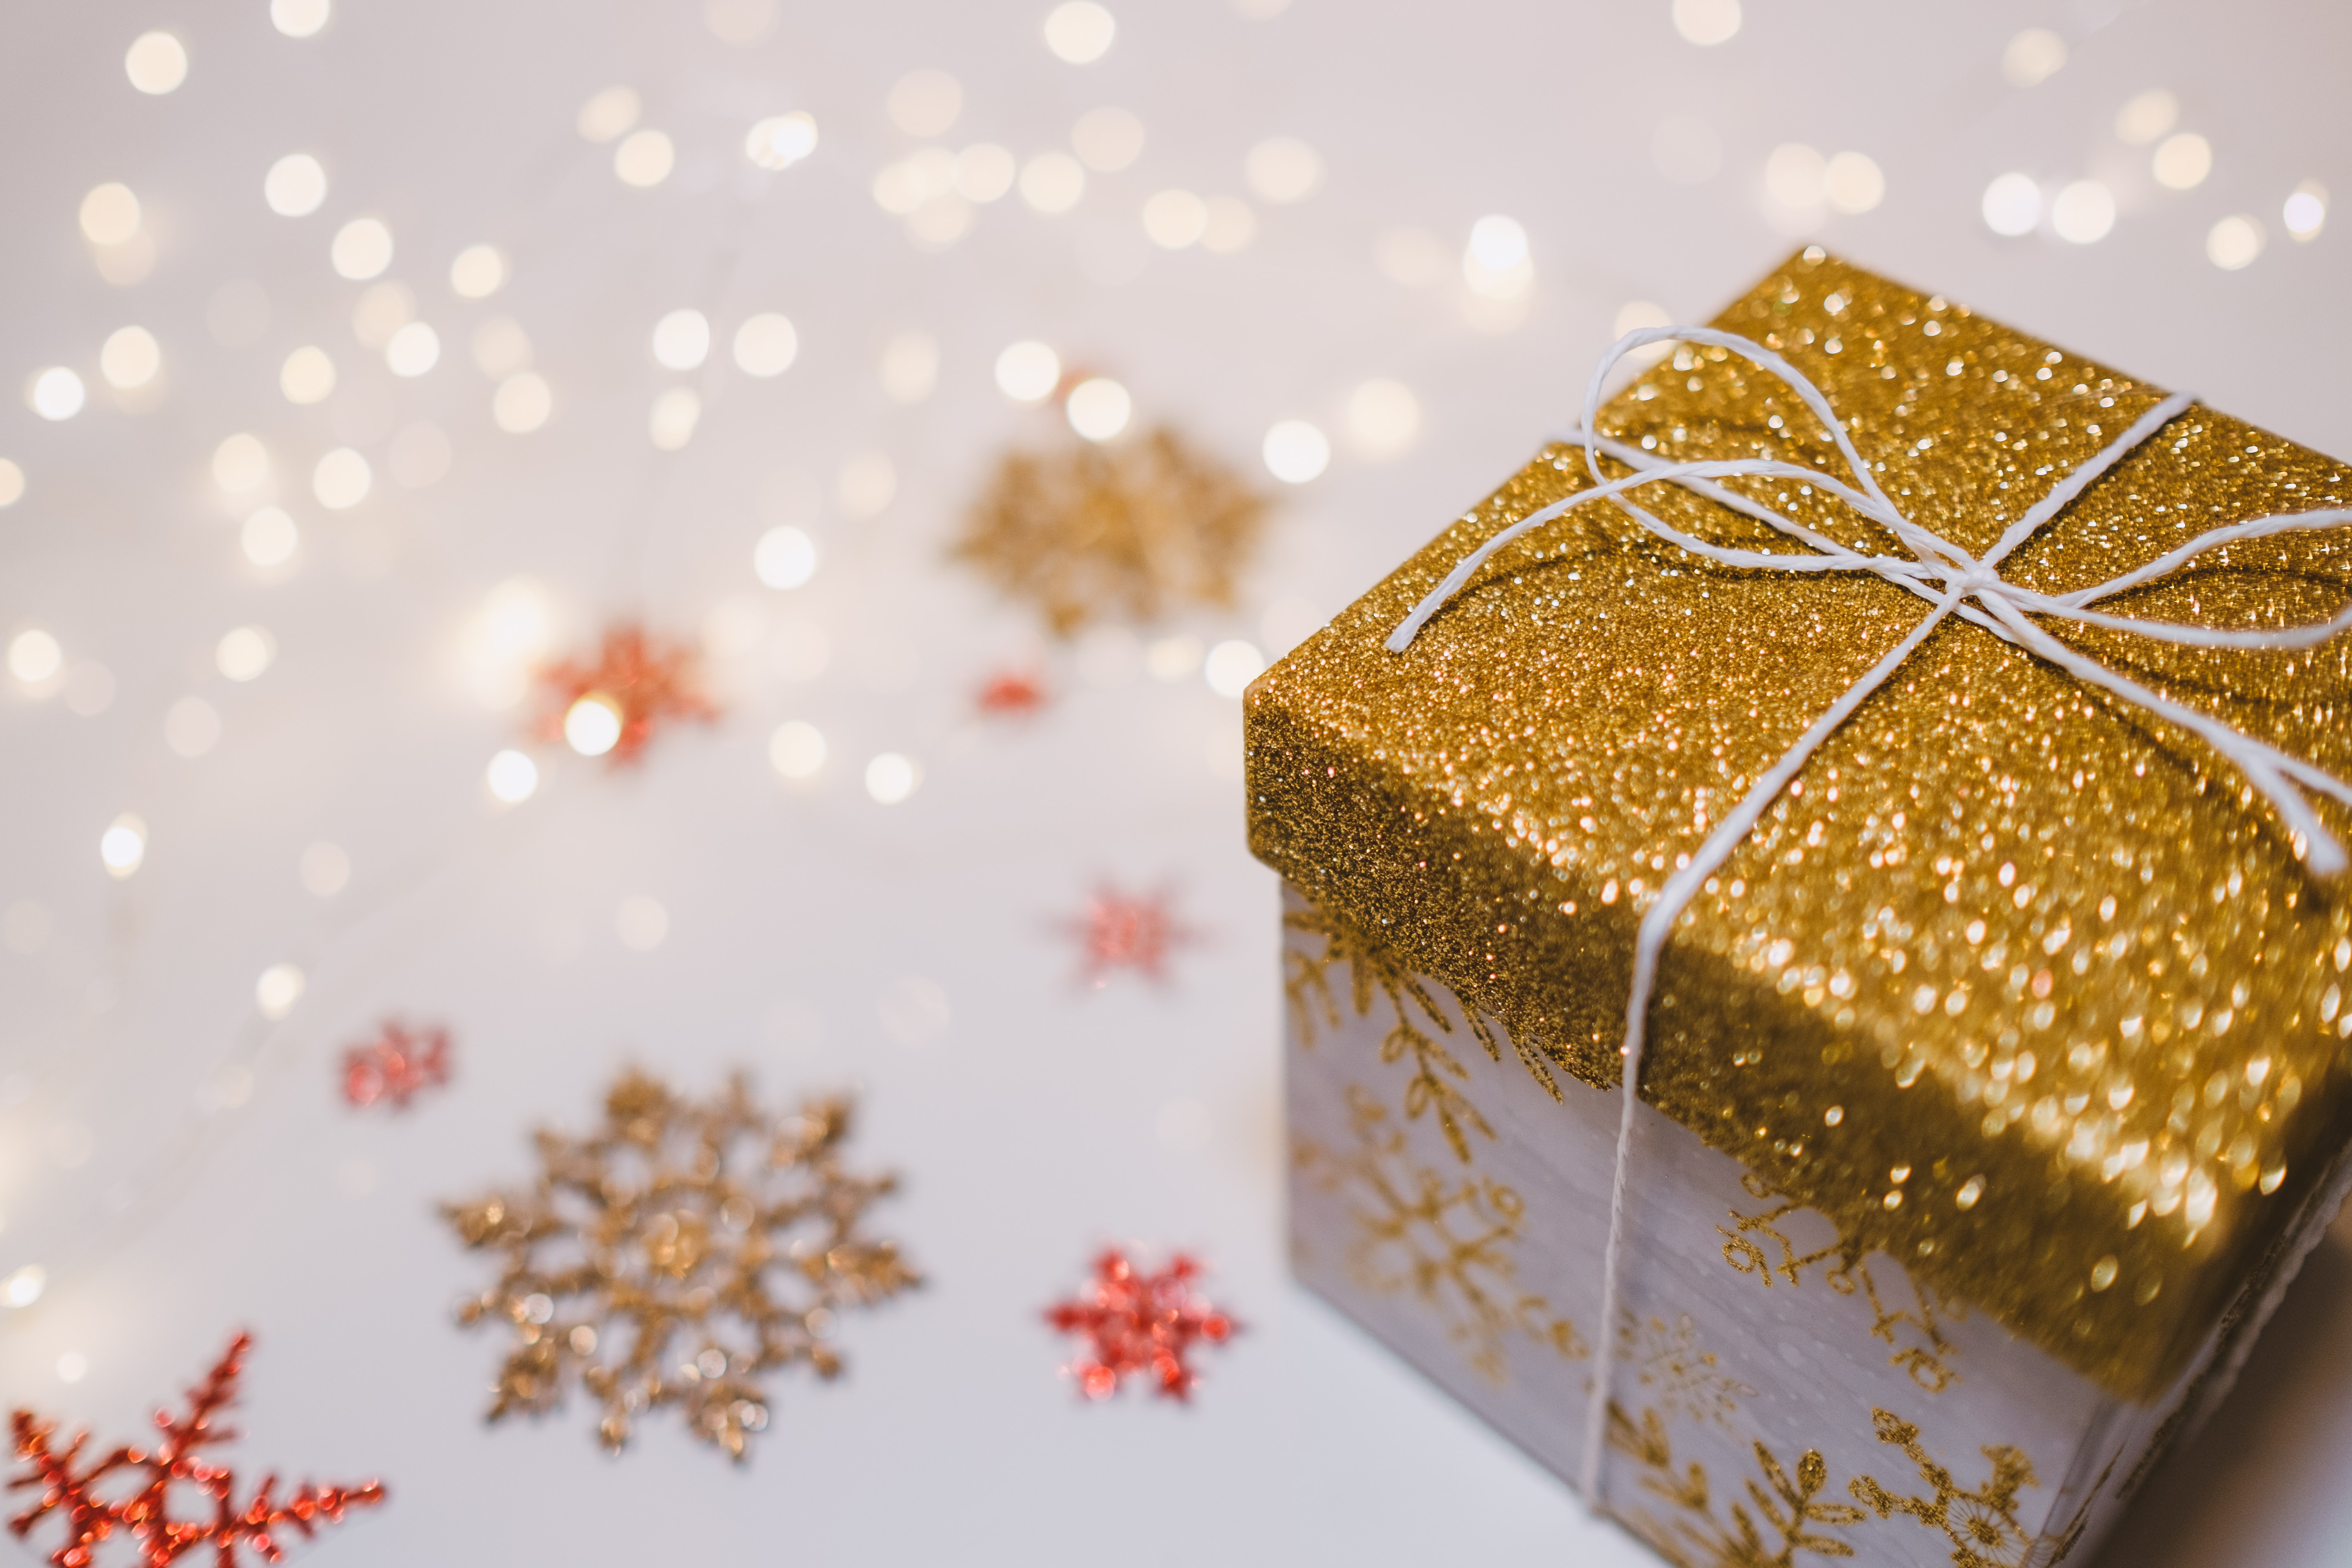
{"x": 1450, "y": 1241}
{"x": 1916, "y": 1331}
{"x": 1684, "y": 1377}
{"x": 1786, "y": 1512}
{"x": 1980, "y": 1521}
{"x": 1372, "y": 968}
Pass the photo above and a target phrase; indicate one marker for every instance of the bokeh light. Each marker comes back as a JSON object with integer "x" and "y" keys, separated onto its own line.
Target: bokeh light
{"x": 512, "y": 777}
{"x": 1098, "y": 409}
{"x": 2083, "y": 213}
{"x": 796, "y": 750}
{"x": 2234, "y": 242}
{"x": 109, "y": 213}
{"x": 269, "y": 537}
{"x": 1232, "y": 665}
{"x": 34, "y": 655}
{"x": 1028, "y": 371}
{"x": 592, "y": 726}
{"x": 362, "y": 250}
{"x": 890, "y": 777}
{"x": 122, "y": 847}
{"x": 2182, "y": 162}
{"x": 341, "y": 479}
{"x": 300, "y": 18}
{"x": 682, "y": 340}
{"x": 245, "y": 653}
{"x": 1707, "y": 21}
{"x": 156, "y": 63}
{"x": 1282, "y": 170}
{"x": 785, "y": 557}
{"x": 307, "y": 376}
{"x": 1080, "y": 32}
{"x": 781, "y": 141}
{"x": 1296, "y": 451}
{"x": 2033, "y": 58}
{"x": 925, "y": 103}
{"x": 765, "y": 345}
{"x": 643, "y": 159}
{"x": 56, "y": 394}
{"x": 129, "y": 359}
{"x": 240, "y": 463}
{"x": 412, "y": 351}
{"x": 2012, "y": 204}
{"x": 295, "y": 187}
{"x": 479, "y": 272}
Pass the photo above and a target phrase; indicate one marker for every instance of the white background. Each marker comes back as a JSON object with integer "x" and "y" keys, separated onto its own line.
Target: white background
{"x": 1047, "y": 1117}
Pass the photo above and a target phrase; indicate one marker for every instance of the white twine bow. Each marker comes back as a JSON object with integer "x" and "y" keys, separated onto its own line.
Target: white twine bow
{"x": 1954, "y": 583}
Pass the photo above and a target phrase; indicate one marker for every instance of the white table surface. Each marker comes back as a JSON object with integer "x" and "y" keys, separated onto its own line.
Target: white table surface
{"x": 1038, "y": 1125}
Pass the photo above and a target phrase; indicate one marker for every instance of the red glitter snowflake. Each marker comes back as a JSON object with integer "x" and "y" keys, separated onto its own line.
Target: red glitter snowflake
{"x": 1011, "y": 694}
{"x": 646, "y": 683}
{"x": 396, "y": 1064}
{"x": 1119, "y": 930}
{"x": 144, "y": 1516}
{"x": 1140, "y": 1325}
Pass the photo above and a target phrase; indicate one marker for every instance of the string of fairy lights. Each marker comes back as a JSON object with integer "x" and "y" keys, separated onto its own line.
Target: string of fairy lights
{"x": 935, "y": 192}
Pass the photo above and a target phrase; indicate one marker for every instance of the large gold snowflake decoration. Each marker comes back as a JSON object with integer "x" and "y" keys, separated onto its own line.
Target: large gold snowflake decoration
{"x": 1127, "y": 532}
{"x": 677, "y": 1253}
{"x": 1452, "y": 1243}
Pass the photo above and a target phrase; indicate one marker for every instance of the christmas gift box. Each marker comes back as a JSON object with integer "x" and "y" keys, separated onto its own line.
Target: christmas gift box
{"x": 1909, "y": 754}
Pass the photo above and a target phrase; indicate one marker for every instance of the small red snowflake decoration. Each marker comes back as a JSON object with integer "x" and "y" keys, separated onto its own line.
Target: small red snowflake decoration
{"x": 1122, "y": 931}
{"x": 642, "y": 682}
{"x": 396, "y": 1064}
{"x": 1011, "y": 694}
{"x": 144, "y": 1516}
{"x": 1140, "y": 1325}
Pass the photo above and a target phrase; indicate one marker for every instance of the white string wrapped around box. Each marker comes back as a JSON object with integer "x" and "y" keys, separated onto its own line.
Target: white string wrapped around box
{"x": 1954, "y": 583}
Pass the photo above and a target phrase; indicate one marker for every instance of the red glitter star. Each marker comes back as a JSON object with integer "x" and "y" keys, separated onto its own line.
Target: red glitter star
{"x": 1012, "y": 694}
{"x": 396, "y": 1064}
{"x": 145, "y": 1515}
{"x": 645, "y": 681}
{"x": 1140, "y": 1325}
{"x": 1122, "y": 931}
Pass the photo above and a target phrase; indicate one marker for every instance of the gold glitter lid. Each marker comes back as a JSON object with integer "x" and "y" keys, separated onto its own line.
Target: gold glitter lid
{"x": 2017, "y": 984}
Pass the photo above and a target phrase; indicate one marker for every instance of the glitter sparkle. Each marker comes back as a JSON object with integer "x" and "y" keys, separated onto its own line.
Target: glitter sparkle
{"x": 649, "y": 684}
{"x": 676, "y": 1254}
{"x": 1140, "y": 1325}
{"x": 397, "y": 1065}
{"x": 74, "y": 1492}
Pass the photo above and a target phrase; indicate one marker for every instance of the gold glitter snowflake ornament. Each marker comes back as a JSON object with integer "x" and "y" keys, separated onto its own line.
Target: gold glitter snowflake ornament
{"x": 675, "y": 1255}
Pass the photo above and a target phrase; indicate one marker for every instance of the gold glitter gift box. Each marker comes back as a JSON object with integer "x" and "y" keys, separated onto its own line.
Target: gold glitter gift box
{"x": 1995, "y": 1084}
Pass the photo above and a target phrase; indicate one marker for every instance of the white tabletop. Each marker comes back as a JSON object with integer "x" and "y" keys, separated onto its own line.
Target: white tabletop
{"x": 178, "y": 1166}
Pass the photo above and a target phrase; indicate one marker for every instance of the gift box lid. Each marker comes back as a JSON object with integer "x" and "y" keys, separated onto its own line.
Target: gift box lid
{"x": 2017, "y": 984}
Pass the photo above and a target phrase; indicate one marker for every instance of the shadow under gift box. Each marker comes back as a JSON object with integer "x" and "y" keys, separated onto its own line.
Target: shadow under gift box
{"x": 1996, "y": 1083}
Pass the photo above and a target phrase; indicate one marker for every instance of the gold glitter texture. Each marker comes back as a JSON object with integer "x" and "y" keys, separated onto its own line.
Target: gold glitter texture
{"x": 2014, "y": 983}
{"x": 677, "y": 1254}
{"x": 1123, "y": 532}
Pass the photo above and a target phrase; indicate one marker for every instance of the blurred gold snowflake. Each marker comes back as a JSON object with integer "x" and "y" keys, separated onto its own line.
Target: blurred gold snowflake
{"x": 1127, "y": 532}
